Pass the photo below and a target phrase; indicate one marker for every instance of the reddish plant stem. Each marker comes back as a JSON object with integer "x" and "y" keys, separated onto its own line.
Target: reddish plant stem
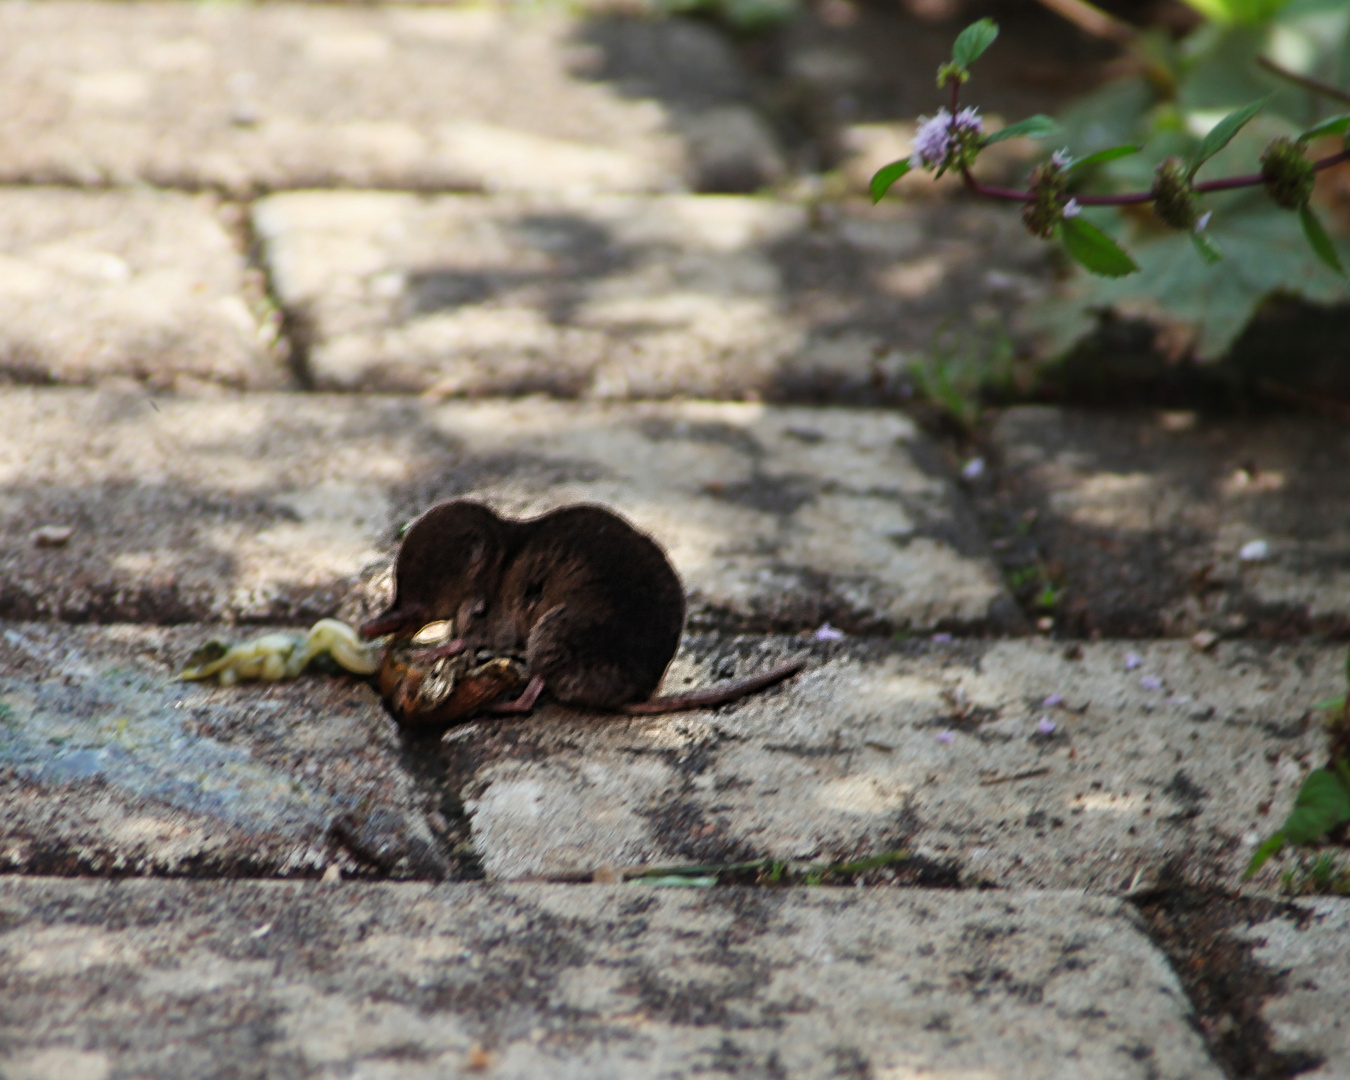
{"x": 1134, "y": 198}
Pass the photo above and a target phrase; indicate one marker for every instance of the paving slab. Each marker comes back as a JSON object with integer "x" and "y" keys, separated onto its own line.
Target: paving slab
{"x": 190, "y": 979}
{"x": 109, "y": 766}
{"x": 476, "y": 97}
{"x": 1306, "y": 949}
{"x": 948, "y": 751}
{"x": 636, "y": 297}
{"x": 146, "y": 285}
{"x": 276, "y": 507}
{"x": 1173, "y": 523}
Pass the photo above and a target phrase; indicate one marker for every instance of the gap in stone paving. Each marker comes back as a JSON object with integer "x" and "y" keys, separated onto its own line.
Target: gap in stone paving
{"x": 1225, "y": 984}
{"x": 288, "y": 326}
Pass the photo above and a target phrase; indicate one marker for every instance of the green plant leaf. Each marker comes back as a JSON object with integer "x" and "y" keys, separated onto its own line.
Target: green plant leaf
{"x": 1334, "y": 125}
{"x": 1208, "y": 249}
{"x": 1330, "y": 703}
{"x": 1318, "y": 239}
{"x": 1321, "y": 804}
{"x": 1039, "y": 126}
{"x": 1096, "y": 251}
{"x": 886, "y": 176}
{"x": 1240, "y": 12}
{"x": 1265, "y": 252}
{"x": 1273, "y": 846}
{"x": 1101, "y": 157}
{"x": 1222, "y": 133}
{"x": 973, "y": 40}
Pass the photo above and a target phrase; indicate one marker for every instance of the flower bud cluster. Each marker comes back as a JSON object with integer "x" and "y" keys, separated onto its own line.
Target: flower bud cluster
{"x": 1173, "y": 196}
{"x": 1043, "y": 211}
{"x": 1288, "y": 175}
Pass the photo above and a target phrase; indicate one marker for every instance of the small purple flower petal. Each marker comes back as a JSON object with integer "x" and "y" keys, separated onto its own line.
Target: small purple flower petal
{"x": 1254, "y": 551}
{"x": 945, "y": 737}
{"x": 1202, "y": 222}
{"x": 1062, "y": 158}
{"x": 968, "y": 119}
{"x": 1072, "y": 209}
{"x": 930, "y": 141}
{"x": 1046, "y": 726}
{"x": 942, "y": 638}
{"x": 826, "y": 632}
{"x": 973, "y": 469}
{"x": 1150, "y": 682}
{"x": 1132, "y": 660}
{"x": 1052, "y": 701}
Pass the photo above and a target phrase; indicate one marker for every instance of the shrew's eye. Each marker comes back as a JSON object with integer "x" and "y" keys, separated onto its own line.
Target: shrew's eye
{"x": 534, "y": 592}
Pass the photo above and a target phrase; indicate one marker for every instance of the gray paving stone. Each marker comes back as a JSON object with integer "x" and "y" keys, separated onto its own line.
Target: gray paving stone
{"x": 1144, "y": 518}
{"x": 274, "y": 507}
{"x": 110, "y": 766}
{"x": 1307, "y": 1017}
{"x": 189, "y": 979}
{"x": 135, "y": 284}
{"x": 247, "y": 98}
{"x": 934, "y": 749}
{"x": 634, "y": 297}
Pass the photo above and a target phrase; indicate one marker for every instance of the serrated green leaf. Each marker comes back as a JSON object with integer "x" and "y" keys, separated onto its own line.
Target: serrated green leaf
{"x": 886, "y": 176}
{"x": 1334, "y": 125}
{"x": 1265, "y": 253}
{"x": 973, "y": 40}
{"x": 1222, "y": 133}
{"x": 1039, "y": 126}
{"x": 1321, "y": 804}
{"x": 1094, "y": 250}
{"x": 1208, "y": 249}
{"x": 1318, "y": 239}
{"x": 1273, "y": 846}
{"x": 1101, "y": 157}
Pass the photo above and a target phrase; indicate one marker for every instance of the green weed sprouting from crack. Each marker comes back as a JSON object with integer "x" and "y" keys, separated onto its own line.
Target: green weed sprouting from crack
{"x": 963, "y": 372}
{"x": 1321, "y": 810}
{"x": 1321, "y": 875}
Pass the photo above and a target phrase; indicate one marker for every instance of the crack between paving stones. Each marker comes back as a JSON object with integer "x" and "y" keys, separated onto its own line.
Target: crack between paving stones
{"x": 1226, "y": 987}
{"x": 294, "y": 327}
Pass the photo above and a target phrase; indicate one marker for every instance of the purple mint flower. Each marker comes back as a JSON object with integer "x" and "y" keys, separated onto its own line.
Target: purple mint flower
{"x": 1061, "y": 158}
{"x": 1046, "y": 726}
{"x": 973, "y": 469}
{"x": 945, "y": 737}
{"x": 1132, "y": 660}
{"x": 940, "y": 134}
{"x": 1072, "y": 209}
{"x": 1202, "y": 222}
{"x": 1151, "y": 682}
{"x": 942, "y": 638}
{"x": 826, "y": 632}
{"x": 1052, "y": 701}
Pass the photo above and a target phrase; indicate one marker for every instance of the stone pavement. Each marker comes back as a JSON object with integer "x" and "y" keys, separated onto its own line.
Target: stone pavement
{"x": 277, "y": 278}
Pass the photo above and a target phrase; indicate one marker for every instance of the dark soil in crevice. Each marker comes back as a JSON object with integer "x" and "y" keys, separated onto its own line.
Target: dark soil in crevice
{"x": 1225, "y": 985}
